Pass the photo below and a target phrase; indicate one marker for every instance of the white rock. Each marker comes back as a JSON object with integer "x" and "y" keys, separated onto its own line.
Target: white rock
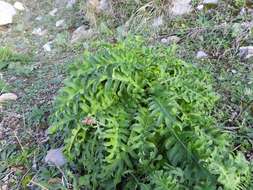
{"x": 201, "y": 55}
{"x": 81, "y": 33}
{"x": 38, "y": 18}
{"x": 47, "y": 47}
{"x": 200, "y": 7}
{"x": 243, "y": 11}
{"x": 19, "y": 6}
{"x": 70, "y": 3}
{"x": 4, "y": 187}
{"x": 233, "y": 71}
{"x": 8, "y": 97}
{"x": 104, "y": 5}
{"x": 180, "y": 7}
{"x": 7, "y": 11}
{"x": 170, "y": 40}
{"x": 246, "y": 52}
{"x": 39, "y": 32}
{"x": 164, "y": 40}
{"x": 158, "y": 21}
{"x": 53, "y": 12}
{"x": 59, "y": 23}
{"x": 210, "y": 2}
{"x": 56, "y": 157}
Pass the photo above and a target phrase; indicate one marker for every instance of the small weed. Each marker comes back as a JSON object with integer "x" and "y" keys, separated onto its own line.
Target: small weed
{"x": 7, "y": 57}
{"x": 239, "y": 3}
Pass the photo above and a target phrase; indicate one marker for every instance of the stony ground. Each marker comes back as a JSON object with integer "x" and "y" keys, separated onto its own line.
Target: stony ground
{"x": 44, "y": 30}
{"x": 23, "y": 124}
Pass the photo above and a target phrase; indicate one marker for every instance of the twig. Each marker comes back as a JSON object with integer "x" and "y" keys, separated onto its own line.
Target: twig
{"x": 231, "y": 128}
{"x": 39, "y": 185}
{"x": 23, "y": 177}
{"x": 64, "y": 177}
{"x": 15, "y": 134}
{"x": 237, "y": 147}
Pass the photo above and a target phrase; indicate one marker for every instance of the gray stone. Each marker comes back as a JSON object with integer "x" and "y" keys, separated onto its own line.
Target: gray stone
{"x": 56, "y": 157}
{"x": 39, "y": 32}
{"x": 201, "y": 55}
{"x": 64, "y": 3}
{"x": 200, "y": 7}
{"x": 210, "y": 2}
{"x": 246, "y": 52}
{"x": 19, "y": 6}
{"x": 81, "y": 33}
{"x": 8, "y": 97}
{"x": 7, "y": 11}
{"x": 70, "y": 3}
{"x": 104, "y": 5}
{"x": 180, "y": 7}
{"x": 47, "y": 47}
{"x": 38, "y": 18}
{"x": 158, "y": 21}
{"x": 59, "y": 23}
{"x": 53, "y": 12}
{"x": 233, "y": 71}
{"x": 170, "y": 40}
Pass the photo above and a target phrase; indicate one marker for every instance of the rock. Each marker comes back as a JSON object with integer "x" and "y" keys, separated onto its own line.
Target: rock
{"x": 19, "y": 6}
{"x": 104, "y": 5}
{"x": 246, "y": 52}
{"x": 170, "y": 40}
{"x": 200, "y": 7}
{"x": 4, "y": 187}
{"x": 61, "y": 4}
{"x": 56, "y": 157}
{"x": 7, "y": 11}
{"x": 47, "y": 47}
{"x": 210, "y": 2}
{"x": 59, "y": 23}
{"x": 53, "y": 12}
{"x": 243, "y": 11}
{"x": 180, "y": 7}
{"x": 8, "y": 97}
{"x": 158, "y": 21}
{"x": 81, "y": 33}
{"x": 70, "y": 3}
{"x": 201, "y": 55}
{"x": 247, "y": 25}
{"x": 233, "y": 71}
{"x": 38, "y": 18}
{"x": 39, "y": 32}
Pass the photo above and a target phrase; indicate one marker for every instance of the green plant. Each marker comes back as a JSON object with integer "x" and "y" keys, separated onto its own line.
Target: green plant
{"x": 7, "y": 56}
{"x": 239, "y": 3}
{"x": 3, "y": 86}
{"x": 134, "y": 116}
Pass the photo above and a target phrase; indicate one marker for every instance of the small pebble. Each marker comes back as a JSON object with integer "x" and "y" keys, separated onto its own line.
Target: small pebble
{"x": 59, "y": 23}
{"x": 19, "y": 6}
{"x": 233, "y": 71}
{"x": 53, "y": 12}
{"x": 56, "y": 157}
{"x": 200, "y": 7}
{"x": 158, "y": 22}
{"x": 201, "y": 55}
{"x": 47, "y": 47}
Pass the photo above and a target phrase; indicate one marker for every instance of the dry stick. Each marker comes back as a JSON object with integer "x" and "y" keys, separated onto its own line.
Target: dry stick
{"x": 7, "y": 176}
{"x": 23, "y": 177}
{"x": 63, "y": 175}
{"x": 244, "y": 110}
{"x": 15, "y": 134}
{"x": 39, "y": 185}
